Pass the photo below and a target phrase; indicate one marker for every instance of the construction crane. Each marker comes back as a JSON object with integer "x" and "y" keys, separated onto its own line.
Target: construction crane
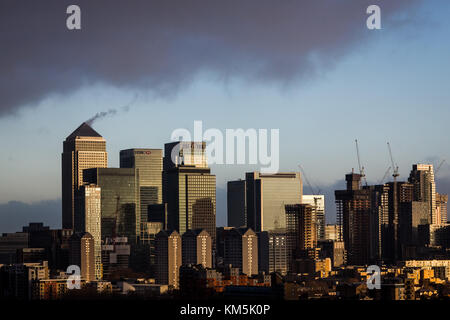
{"x": 361, "y": 168}
{"x": 439, "y": 167}
{"x": 394, "y": 166}
{"x": 385, "y": 175}
{"x": 313, "y": 190}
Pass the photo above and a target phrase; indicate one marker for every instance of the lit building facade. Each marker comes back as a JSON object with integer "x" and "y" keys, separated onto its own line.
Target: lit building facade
{"x": 197, "y": 248}
{"x": 267, "y": 195}
{"x": 88, "y": 219}
{"x": 318, "y": 202}
{"x": 422, "y": 177}
{"x": 168, "y": 258}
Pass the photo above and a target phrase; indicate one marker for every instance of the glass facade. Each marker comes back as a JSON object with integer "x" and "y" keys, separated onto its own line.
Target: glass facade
{"x": 119, "y": 201}
{"x": 88, "y": 219}
{"x": 149, "y": 164}
{"x": 267, "y": 194}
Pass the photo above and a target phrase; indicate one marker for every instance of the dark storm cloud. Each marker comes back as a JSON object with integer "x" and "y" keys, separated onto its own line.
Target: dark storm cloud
{"x": 161, "y": 45}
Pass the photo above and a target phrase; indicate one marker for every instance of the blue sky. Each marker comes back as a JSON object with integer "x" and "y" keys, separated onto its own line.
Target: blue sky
{"x": 394, "y": 85}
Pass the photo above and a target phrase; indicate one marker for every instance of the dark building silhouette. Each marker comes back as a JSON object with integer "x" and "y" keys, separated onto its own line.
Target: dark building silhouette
{"x": 237, "y": 203}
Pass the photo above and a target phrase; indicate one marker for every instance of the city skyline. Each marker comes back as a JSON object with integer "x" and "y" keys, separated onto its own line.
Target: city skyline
{"x": 385, "y": 78}
{"x": 224, "y": 157}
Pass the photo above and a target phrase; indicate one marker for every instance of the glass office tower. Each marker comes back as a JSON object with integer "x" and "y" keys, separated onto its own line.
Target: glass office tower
{"x": 267, "y": 194}
{"x": 149, "y": 164}
{"x": 119, "y": 201}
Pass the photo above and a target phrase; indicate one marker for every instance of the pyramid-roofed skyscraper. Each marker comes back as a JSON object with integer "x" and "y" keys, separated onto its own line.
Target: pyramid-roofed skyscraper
{"x": 83, "y": 149}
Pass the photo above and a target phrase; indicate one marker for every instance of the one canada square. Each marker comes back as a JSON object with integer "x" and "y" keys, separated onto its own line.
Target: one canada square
{"x": 83, "y": 149}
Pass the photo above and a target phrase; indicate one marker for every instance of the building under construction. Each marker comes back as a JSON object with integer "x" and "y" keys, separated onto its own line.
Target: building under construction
{"x": 301, "y": 232}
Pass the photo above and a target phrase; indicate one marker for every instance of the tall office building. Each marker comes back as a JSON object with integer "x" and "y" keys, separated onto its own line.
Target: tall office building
{"x": 422, "y": 177}
{"x": 83, "y": 149}
{"x": 189, "y": 189}
{"x": 149, "y": 164}
{"x": 197, "y": 248}
{"x": 168, "y": 258}
{"x": 237, "y": 203}
{"x": 88, "y": 219}
{"x": 240, "y": 249}
{"x": 82, "y": 254}
{"x": 318, "y": 202}
{"x": 120, "y": 205}
{"x": 267, "y": 194}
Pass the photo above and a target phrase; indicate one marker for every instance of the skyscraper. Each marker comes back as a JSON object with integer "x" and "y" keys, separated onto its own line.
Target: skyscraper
{"x": 197, "y": 248}
{"x": 422, "y": 177}
{"x": 88, "y": 219}
{"x": 82, "y": 254}
{"x": 149, "y": 164}
{"x": 83, "y": 149}
{"x": 189, "y": 189}
{"x": 240, "y": 249}
{"x": 267, "y": 194}
{"x": 120, "y": 205}
{"x": 168, "y": 258}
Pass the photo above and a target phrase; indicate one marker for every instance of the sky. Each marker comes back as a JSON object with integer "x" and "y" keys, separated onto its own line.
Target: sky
{"x": 310, "y": 69}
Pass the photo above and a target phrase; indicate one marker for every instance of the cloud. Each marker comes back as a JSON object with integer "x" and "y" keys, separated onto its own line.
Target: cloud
{"x": 14, "y": 214}
{"x": 162, "y": 45}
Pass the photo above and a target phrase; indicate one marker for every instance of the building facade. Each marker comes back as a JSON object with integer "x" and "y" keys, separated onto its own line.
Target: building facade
{"x": 120, "y": 205}
{"x": 189, "y": 189}
{"x": 197, "y": 248}
{"x": 88, "y": 219}
{"x": 168, "y": 258}
{"x": 267, "y": 194}
{"x": 318, "y": 202}
{"x": 149, "y": 164}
